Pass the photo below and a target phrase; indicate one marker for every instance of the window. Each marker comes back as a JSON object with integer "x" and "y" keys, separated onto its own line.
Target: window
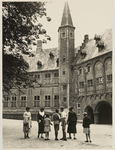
{"x": 24, "y": 86}
{"x": 63, "y": 59}
{"x": 13, "y": 103}
{"x": 90, "y": 82}
{"x": 64, "y": 99}
{"x": 23, "y": 101}
{"x": 47, "y": 75}
{"x": 89, "y": 69}
{"x": 38, "y": 76}
{"x": 57, "y": 62}
{"x": 56, "y": 78}
{"x": 63, "y": 72}
{"x": 47, "y": 101}
{"x": 78, "y": 108}
{"x": 47, "y": 78}
{"x": 81, "y": 84}
{"x": 99, "y": 80}
{"x": 36, "y": 101}
{"x": 71, "y": 34}
{"x": 64, "y": 87}
{"x": 63, "y": 34}
{"x": 80, "y": 71}
{"x": 56, "y": 74}
{"x": 35, "y": 75}
{"x": 56, "y": 100}
{"x": 5, "y": 102}
{"x": 109, "y": 78}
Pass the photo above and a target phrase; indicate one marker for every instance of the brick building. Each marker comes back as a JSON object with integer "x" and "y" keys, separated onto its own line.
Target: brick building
{"x": 67, "y": 76}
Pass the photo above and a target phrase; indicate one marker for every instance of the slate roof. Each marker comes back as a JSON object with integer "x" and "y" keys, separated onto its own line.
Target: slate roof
{"x": 43, "y": 56}
{"x": 50, "y": 64}
{"x": 91, "y": 48}
{"x": 66, "y": 18}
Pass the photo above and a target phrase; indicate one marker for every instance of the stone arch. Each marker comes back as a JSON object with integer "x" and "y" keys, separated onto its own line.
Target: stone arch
{"x": 98, "y": 68}
{"x": 90, "y": 113}
{"x": 81, "y": 67}
{"x": 108, "y": 65}
{"x": 95, "y": 63}
{"x": 103, "y": 113}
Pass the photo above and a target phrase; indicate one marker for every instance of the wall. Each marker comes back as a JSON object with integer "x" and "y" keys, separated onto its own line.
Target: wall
{"x": 101, "y": 66}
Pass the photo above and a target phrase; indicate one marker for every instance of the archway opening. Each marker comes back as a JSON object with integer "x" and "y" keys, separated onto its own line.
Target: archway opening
{"x": 89, "y": 111}
{"x": 105, "y": 114}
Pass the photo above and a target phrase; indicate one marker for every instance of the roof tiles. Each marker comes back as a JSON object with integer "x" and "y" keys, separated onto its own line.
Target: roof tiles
{"x": 50, "y": 64}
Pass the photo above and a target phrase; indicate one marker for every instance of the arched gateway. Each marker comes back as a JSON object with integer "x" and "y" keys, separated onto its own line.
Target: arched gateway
{"x": 89, "y": 111}
{"x": 103, "y": 113}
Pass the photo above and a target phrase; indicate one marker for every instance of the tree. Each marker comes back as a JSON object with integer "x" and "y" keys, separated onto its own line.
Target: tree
{"x": 21, "y": 28}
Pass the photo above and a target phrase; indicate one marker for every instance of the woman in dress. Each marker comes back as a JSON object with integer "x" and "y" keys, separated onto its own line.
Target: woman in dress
{"x": 72, "y": 121}
{"x": 27, "y": 124}
{"x": 40, "y": 120}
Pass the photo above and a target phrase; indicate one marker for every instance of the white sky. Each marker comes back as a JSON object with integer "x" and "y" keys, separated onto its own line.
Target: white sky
{"x": 89, "y": 17}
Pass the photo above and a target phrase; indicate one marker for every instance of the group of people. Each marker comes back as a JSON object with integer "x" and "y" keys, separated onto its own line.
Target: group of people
{"x": 44, "y": 124}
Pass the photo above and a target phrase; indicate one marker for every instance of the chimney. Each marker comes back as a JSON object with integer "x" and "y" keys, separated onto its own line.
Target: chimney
{"x": 86, "y": 38}
{"x": 100, "y": 46}
{"x": 39, "y": 47}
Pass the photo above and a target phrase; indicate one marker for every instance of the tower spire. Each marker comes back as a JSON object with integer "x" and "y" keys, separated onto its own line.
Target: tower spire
{"x": 66, "y": 18}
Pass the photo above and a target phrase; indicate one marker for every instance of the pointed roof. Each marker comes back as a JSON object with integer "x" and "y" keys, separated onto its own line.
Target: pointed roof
{"x": 66, "y": 18}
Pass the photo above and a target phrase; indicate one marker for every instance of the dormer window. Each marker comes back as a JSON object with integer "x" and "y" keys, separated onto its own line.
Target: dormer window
{"x": 100, "y": 46}
{"x": 97, "y": 38}
{"x": 39, "y": 64}
{"x": 51, "y": 55}
{"x": 83, "y": 54}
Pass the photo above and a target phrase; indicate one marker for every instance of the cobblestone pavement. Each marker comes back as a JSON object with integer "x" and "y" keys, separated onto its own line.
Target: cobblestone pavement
{"x": 101, "y": 136}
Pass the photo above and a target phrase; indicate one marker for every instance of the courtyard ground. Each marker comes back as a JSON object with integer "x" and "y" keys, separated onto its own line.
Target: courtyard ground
{"x": 101, "y": 136}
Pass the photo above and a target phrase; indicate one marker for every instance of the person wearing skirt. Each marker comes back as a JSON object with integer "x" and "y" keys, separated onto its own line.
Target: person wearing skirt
{"x": 27, "y": 124}
{"x": 40, "y": 120}
{"x": 71, "y": 121}
{"x": 47, "y": 127}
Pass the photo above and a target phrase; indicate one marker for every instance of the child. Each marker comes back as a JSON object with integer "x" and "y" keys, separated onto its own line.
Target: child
{"x": 86, "y": 126}
{"x": 27, "y": 123}
{"x": 56, "y": 119}
{"x": 47, "y": 128}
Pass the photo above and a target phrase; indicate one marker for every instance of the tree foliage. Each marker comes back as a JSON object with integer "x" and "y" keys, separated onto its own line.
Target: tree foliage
{"x": 21, "y": 28}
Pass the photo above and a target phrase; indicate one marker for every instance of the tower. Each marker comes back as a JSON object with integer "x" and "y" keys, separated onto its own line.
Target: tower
{"x": 66, "y": 55}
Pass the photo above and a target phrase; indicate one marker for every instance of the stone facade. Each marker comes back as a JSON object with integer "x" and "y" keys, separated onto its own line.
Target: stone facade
{"x": 80, "y": 77}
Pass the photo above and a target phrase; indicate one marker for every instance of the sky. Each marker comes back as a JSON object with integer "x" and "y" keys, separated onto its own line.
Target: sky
{"x": 89, "y": 17}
